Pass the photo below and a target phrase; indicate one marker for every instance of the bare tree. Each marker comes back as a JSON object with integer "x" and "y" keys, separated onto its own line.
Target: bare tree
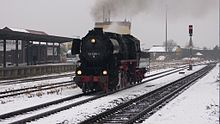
{"x": 170, "y": 45}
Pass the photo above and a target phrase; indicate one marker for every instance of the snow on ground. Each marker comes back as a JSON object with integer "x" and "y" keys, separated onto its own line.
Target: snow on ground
{"x": 82, "y": 112}
{"x": 41, "y": 76}
{"x": 52, "y": 107}
{"x": 28, "y": 100}
{"x": 23, "y": 101}
{"x": 157, "y": 71}
{"x": 197, "y": 105}
{"x": 34, "y": 83}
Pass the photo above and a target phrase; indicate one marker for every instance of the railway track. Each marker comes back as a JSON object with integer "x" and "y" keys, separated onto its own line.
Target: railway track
{"x": 58, "y": 109}
{"x": 164, "y": 72}
{"x": 140, "y": 108}
{"x": 52, "y": 104}
{"x": 29, "y": 80}
{"x": 27, "y": 90}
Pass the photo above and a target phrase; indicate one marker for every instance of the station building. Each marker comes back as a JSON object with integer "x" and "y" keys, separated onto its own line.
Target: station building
{"x": 33, "y": 47}
{"x": 26, "y": 53}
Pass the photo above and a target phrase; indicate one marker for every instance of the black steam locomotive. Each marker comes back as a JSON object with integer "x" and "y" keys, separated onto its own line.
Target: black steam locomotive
{"x": 108, "y": 61}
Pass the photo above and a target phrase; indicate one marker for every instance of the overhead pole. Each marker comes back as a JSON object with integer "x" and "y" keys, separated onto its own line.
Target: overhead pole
{"x": 219, "y": 43}
{"x": 166, "y": 31}
{"x": 103, "y": 14}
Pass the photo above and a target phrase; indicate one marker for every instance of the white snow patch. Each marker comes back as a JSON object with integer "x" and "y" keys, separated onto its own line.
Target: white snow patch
{"x": 197, "y": 105}
{"x": 82, "y": 112}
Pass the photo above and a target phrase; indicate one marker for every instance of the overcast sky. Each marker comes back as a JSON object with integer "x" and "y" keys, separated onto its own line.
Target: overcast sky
{"x": 75, "y": 17}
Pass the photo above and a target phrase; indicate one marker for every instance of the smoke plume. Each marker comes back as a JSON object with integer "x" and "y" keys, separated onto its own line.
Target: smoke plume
{"x": 118, "y": 8}
{"x": 131, "y": 8}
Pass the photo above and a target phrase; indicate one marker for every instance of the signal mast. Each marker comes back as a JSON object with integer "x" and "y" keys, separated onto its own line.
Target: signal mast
{"x": 190, "y": 45}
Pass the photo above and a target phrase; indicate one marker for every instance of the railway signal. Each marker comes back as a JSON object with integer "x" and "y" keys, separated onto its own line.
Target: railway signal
{"x": 190, "y": 45}
{"x": 190, "y": 30}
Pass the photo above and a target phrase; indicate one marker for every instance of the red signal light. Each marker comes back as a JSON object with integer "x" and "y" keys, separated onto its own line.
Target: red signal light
{"x": 190, "y": 30}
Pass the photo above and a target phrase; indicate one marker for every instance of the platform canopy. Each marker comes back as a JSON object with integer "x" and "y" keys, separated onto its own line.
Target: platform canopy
{"x": 30, "y": 35}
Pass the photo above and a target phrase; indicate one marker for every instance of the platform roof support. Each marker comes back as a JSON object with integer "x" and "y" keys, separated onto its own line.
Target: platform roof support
{"x": 59, "y": 53}
{"x": 28, "y": 53}
{"x": 38, "y": 59}
{"x": 4, "y": 53}
{"x": 53, "y": 53}
{"x": 46, "y": 52}
{"x": 16, "y": 52}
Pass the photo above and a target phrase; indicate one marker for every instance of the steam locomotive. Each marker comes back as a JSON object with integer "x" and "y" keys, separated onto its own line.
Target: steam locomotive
{"x": 108, "y": 61}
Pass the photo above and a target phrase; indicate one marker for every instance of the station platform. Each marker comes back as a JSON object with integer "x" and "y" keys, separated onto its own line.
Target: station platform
{"x": 35, "y": 70}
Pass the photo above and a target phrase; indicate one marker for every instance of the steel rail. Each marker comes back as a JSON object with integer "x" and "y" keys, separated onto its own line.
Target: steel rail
{"x": 129, "y": 114}
{"x": 29, "y": 80}
{"x": 29, "y": 109}
{"x": 165, "y": 99}
{"x": 47, "y": 113}
{"x": 36, "y": 90}
{"x": 163, "y": 72}
{"x": 34, "y": 87}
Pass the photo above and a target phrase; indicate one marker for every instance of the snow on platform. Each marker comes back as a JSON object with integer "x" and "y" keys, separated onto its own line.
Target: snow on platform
{"x": 197, "y": 105}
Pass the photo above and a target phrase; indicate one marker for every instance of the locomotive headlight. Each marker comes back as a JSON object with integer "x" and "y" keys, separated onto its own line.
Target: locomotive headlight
{"x": 79, "y": 72}
{"x": 93, "y": 40}
{"x": 105, "y": 72}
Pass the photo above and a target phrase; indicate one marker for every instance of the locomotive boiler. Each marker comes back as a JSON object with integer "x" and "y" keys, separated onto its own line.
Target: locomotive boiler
{"x": 108, "y": 61}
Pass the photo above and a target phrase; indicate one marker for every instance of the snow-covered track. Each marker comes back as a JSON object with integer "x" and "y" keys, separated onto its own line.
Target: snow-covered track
{"x": 27, "y": 90}
{"x": 138, "y": 109}
{"x": 165, "y": 71}
{"x": 31, "y": 79}
{"x": 50, "y": 112}
{"x": 33, "y": 108}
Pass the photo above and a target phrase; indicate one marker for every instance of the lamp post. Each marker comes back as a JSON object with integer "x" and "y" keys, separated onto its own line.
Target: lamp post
{"x": 166, "y": 31}
{"x": 219, "y": 42}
